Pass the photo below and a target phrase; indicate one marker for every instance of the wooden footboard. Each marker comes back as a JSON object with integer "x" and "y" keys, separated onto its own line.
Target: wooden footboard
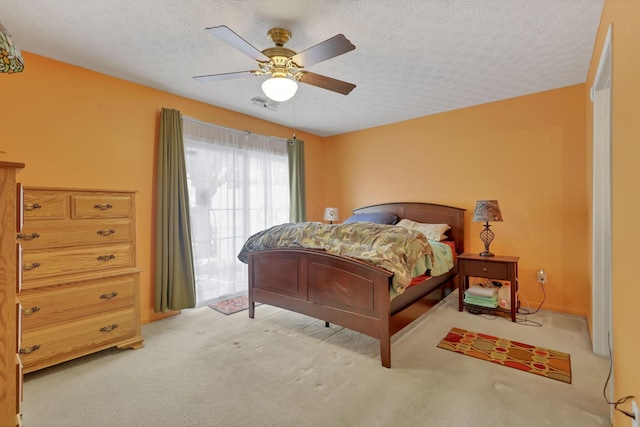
{"x": 342, "y": 290}
{"x": 335, "y": 289}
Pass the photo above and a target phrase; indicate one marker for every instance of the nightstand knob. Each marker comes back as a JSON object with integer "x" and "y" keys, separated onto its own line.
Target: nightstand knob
{"x": 484, "y": 269}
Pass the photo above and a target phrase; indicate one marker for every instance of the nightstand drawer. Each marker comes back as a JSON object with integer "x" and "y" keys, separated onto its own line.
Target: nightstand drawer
{"x": 491, "y": 270}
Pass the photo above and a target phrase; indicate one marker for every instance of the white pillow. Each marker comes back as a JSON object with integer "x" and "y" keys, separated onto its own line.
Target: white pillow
{"x": 435, "y": 232}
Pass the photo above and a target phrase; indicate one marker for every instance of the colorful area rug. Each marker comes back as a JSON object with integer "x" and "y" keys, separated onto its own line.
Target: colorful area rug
{"x": 536, "y": 360}
{"x": 232, "y": 305}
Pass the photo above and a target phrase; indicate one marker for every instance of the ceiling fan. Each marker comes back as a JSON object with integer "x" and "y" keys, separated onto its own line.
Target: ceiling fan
{"x": 285, "y": 66}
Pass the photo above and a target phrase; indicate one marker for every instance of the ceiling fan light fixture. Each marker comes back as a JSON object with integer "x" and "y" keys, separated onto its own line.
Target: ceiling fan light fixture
{"x": 279, "y": 89}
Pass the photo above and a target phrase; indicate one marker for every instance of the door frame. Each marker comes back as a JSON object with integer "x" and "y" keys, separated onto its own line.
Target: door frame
{"x": 601, "y": 199}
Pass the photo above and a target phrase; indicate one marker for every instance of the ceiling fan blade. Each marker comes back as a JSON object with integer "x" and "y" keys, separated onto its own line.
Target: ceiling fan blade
{"x": 223, "y": 76}
{"x": 330, "y": 48}
{"x": 227, "y": 35}
{"x": 325, "y": 82}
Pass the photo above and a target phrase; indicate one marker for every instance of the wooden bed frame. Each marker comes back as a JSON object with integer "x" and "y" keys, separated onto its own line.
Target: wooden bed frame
{"x": 342, "y": 290}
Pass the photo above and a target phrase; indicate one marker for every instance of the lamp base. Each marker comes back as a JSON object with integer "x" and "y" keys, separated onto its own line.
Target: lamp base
{"x": 486, "y": 235}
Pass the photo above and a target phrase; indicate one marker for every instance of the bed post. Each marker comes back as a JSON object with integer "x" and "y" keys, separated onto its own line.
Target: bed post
{"x": 385, "y": 350}
{"x": 252, "y": 305}
{"x": 384, "y": 319}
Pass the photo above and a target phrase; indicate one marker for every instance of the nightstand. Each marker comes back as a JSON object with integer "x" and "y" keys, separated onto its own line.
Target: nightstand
{"x": 494, "y": 267}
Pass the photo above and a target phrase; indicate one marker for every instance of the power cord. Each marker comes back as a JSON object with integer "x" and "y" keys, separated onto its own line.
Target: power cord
{"x": 615, "y": 404}
{"x": 544, "y": 297}
{"x": 622, "y": 399}
{"x": 526, "y": 321}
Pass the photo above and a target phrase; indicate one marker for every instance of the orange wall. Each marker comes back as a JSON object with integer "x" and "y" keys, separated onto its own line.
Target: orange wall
{"x": 77, "y": 128}
{"x": 526, "y": 152}
{"x": 625, "y": 17}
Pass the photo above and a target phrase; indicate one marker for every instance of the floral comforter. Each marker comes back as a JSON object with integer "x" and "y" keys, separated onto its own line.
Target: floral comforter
{"x": 393, "y": 248}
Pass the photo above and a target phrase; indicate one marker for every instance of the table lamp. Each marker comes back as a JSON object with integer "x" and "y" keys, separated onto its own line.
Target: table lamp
{"x": 331, "y": 214}
{"x": 486, "y": 211}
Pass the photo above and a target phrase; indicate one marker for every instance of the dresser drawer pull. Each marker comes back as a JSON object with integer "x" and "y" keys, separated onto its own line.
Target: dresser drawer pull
{"x": 32, "y": 206}
{"x": 109, "y": 295}
{"x": 30, "y": 311}
{"x": 103, "y": 206}
{"x": 109, "y": 328}
{"x": 106, "y": 232}
{"x": 106, "y": 257}
{"x": 27, "y": 236}
{"x": 484, "y": 269}
{"x": 29, "y": 349}
{"x": 31, "y": 265}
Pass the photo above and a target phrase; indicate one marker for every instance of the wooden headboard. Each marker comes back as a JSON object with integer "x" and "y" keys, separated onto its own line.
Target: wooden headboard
{"x": 429, "y": 213}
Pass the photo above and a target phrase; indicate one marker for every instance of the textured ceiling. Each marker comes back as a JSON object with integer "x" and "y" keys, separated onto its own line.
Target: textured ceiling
{"x": 413, "y": 57}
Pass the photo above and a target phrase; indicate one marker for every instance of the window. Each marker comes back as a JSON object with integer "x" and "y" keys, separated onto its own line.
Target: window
{"x": 238, "y": 185}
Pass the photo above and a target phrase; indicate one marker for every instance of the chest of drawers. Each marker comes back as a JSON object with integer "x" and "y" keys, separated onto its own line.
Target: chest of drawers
{"x": 80, "y": 283}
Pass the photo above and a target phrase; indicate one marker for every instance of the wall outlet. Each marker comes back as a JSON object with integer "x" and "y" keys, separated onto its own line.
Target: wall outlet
{"x": 634, "y": 409}
{"x": 542, "y": 276}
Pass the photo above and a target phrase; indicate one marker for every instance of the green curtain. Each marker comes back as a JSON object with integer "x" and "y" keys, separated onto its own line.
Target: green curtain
{"x": 174, "y": 274}
{"x": 298, "y": 203}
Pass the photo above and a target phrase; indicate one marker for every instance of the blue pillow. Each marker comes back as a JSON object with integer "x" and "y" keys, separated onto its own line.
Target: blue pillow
{"x": 377, "y": 218}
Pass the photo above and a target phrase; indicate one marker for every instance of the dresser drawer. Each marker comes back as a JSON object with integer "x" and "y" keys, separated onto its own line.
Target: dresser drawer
{"x": 42, "y": 204}
{"x": 491, "y": 270}
{"x": 73, "y": 339}
{"x": 40, "y": 234}
{"x": 39, "y": 264}
{"x": 43, "y": 308}
{"x": 101, "y": 206}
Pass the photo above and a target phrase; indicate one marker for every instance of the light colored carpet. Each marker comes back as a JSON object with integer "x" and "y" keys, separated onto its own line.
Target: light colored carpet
{"x": 203, "y": 368}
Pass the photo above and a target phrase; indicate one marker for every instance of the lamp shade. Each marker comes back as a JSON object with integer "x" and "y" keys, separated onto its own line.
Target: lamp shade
{"x": 331, "y": 214}
{"x": 279, "y": 89}
{"x": 10, "y": 57}
{"x": 487, "y": 211}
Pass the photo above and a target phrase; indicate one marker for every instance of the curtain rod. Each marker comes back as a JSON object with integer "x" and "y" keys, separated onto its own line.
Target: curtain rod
{"x": 191, "y": 119}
